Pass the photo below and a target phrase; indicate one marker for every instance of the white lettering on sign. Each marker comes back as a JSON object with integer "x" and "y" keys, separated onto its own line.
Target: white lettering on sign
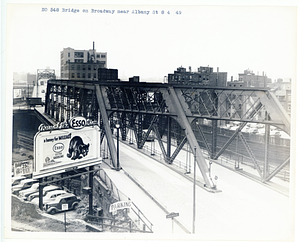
{"x": 64, "y": 207}
{"x": 119, "y": 205}
{"x": 77, "y": 122}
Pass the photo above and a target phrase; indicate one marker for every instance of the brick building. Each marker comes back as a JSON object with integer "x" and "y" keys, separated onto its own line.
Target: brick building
{"x": 82, "y": 64}
{"x": 203, "y": 77}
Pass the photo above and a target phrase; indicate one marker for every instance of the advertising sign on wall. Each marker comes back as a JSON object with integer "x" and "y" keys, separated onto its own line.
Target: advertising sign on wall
{"x": 23, "y": 168}
{"x": 64, "y": 149}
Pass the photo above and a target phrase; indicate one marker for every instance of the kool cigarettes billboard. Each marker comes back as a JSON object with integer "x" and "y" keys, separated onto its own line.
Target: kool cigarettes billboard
{"x": 58, "y": 150}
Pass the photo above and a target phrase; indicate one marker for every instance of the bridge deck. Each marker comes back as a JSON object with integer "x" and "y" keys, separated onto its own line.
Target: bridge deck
{"x": 243, "y": 210}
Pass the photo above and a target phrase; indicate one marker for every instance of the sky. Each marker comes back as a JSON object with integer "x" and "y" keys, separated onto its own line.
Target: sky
{"x": 233, "y": 38}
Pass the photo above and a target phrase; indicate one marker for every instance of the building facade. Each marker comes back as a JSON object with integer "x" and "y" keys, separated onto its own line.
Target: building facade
{"x": 252, "y": 80}
{"x": 81, "y": 64}
{"x": 203, "y": 77}
{"x": 282, "y": 90}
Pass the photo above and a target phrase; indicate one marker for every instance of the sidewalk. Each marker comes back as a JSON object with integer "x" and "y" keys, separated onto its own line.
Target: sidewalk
{"x": 243, "y": 210}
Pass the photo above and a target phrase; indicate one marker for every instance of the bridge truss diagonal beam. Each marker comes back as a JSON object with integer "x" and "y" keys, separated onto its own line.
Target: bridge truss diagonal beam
{"x": 106, "y": 125}
{"x": 258, "y": 107}
{"x": 172, "y": 100}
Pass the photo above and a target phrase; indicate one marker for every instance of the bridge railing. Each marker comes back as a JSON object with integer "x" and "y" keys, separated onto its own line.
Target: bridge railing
{"x": 136, "y": 215}
{"x": 230, "y": 160}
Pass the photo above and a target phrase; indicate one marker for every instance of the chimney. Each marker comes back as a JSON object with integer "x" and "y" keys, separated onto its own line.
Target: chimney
{"x": 93, "y": 45}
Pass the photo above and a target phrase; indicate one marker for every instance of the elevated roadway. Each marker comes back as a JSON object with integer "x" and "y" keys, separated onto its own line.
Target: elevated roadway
{"x": 244, "y": 210}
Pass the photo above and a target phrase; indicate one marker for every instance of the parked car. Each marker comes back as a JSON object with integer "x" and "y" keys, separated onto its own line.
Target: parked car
{"x": 45, "y": 191}
{"x": 253, "y": 130}
{"x": 26, "y": 192}
{"x": 57, "y": 205}
{"x": 49, "y": 197}
{"x": 24, "y": 184}
{"x": 16, "y": 180}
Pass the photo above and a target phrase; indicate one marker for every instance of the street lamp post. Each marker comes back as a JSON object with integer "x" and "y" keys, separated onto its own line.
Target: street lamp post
{"x": 118, "y": 162}
{"x": 194, "y": 193}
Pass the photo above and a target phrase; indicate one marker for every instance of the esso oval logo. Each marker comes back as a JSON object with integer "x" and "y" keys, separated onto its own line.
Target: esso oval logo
{"x": 77, "y": 122}
{"x": 59, "y": 147}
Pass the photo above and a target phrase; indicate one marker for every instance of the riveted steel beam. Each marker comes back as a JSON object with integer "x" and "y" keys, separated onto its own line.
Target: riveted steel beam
{"x": 172, "y": 100}
{"x": 183, "y": 104}
{"x": 106, "y": 125}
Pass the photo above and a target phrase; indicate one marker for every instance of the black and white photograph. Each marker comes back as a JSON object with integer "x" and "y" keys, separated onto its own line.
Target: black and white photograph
{"x": 149, "y": 120}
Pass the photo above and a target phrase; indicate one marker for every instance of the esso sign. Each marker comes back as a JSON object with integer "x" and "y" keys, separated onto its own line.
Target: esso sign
{"x": 77, "y": 122}
{"x": 59, "y": 147}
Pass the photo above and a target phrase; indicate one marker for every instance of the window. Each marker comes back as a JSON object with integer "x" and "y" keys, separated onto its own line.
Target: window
{"x": 103, "y": 56}
{"x": 78, "y": 75}
{"x": 89, "y": 67}
{"x": 42, "y": 83}
{"x": 78, "y": 54}
{"x": 68, "y": 54}
{"x": 89, "y": 75}
{"x": 95, "y": 67}
{"x": 78, "y": 67}
{"x": 73, "y": 75}
{"x": 83, "y": 75}
{"x": 83, "y": 67}
{"x": 43, "y": 91}
{"x": 94, "y": 75}
{"x": 98, "y": 56}
{"x": 72, "y": 67}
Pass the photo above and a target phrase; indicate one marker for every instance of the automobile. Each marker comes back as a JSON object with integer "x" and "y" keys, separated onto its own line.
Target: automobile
{"x": 275, "y": 133}
{"x": 253, "y": 130}
{"x": 16, "y": 180}
{"x": 26, "y": 192}
{"x": 24, "y": 184}
{"x": 261, "y": 132}
{"x": 49, "y": 197}
{"x": 246, "y": 129}
{"x": 234, "y": 128}
{"x": 69, "y": 200}
{"x": 45, "y": 191}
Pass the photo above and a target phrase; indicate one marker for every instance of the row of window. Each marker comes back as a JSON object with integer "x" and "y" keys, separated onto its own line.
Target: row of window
{"x": 83, "y": 67}
{"x": 83, "y": 75}
{"x": 80, "y": 55}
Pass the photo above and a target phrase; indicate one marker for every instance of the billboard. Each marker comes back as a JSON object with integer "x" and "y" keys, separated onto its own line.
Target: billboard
{"x": 59, "y": 150}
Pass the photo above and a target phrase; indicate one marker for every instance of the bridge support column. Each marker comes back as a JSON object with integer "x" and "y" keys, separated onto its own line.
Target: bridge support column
{"x": 173, "y": 102}
{"x": 109, "y": 137}
{"x": 140, "y": 131}
{"x": 123, "y": 127}
{"x": 169, "y": 140}
{"x": 266, "y": 163}
{"x": 214, "y": 138}
{"x": 91, "y": 185}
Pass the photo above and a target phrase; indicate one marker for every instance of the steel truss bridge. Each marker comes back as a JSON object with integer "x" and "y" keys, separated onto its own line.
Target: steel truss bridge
{"x": 175, "y": 112}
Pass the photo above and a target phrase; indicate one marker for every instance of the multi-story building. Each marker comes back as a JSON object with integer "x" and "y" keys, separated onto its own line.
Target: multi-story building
{"x": 252, "y": 80}
{"x": 204, "y": 77}
{"x": 282, "y": 90}
{"x": 31, "y": 79}
{"x": 82, "y": 64}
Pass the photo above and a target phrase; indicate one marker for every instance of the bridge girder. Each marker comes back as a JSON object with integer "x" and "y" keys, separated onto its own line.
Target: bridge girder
{"x": 140, "y": 105}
